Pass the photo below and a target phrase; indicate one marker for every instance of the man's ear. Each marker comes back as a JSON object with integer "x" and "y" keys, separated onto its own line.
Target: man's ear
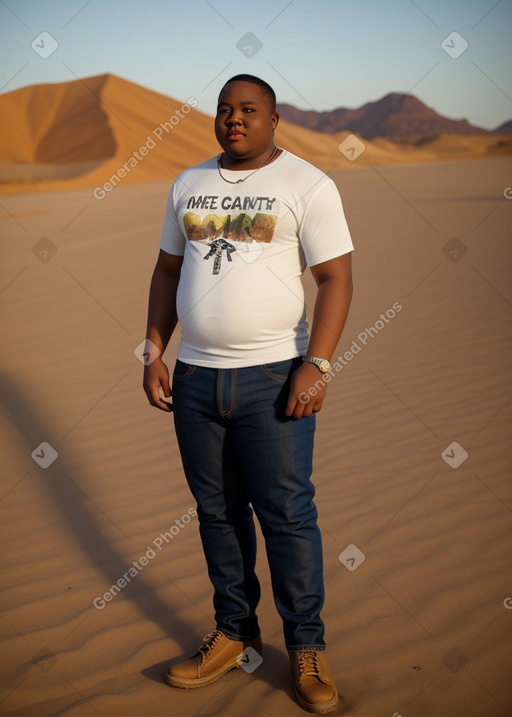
{"x": 275, "y": 119}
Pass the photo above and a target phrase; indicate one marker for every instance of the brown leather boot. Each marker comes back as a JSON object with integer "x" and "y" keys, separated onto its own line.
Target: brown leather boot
{"x": 217, "y": 655}
{"x": 314, "y": 687}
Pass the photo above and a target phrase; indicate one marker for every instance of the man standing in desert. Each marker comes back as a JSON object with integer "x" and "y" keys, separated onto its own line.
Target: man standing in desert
{"x": 239, "y": 231}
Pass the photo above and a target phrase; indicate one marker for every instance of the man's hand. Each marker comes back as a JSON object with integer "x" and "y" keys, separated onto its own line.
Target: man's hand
{"x": 307, "y": 391}
{"x": 156, "y": 382}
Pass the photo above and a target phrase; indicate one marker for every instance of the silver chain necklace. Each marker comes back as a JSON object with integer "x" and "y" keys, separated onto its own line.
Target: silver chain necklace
{"x": 238, "y": 181}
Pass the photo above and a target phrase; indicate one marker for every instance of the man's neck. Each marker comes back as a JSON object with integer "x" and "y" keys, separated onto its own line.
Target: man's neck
{"x": 245, "y": 163}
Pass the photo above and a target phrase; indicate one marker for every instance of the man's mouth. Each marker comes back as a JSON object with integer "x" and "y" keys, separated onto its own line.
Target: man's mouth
{"x": 232, "y": 136}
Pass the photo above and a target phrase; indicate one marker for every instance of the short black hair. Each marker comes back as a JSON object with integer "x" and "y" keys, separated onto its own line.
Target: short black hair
{"x": 265, "y": 87}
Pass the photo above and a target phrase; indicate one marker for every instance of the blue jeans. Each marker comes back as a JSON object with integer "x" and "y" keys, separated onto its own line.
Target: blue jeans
{"x": 240, "y": 452}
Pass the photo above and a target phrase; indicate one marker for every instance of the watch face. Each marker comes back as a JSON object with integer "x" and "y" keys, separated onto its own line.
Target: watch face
{"x": 324, "y": 366}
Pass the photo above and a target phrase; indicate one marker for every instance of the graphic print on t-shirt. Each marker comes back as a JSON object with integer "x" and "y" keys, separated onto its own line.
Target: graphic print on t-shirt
{"x": 223, "y": 232}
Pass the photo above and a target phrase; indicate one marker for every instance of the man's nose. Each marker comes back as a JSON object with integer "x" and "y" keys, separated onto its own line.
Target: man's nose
{"x": 234, "y": 118}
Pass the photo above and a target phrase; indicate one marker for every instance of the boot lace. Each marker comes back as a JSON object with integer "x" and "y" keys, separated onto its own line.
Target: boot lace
{"x": 308, "y": 664}
{"x": 209, "y": 640}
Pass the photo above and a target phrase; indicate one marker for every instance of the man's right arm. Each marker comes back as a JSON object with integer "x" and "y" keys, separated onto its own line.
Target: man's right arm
{"x": 162, "y": 320}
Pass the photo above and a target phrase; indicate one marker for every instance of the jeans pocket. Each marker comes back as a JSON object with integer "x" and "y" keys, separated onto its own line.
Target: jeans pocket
{"x": 281, "y": 370}
{"x": 182, "y": 370}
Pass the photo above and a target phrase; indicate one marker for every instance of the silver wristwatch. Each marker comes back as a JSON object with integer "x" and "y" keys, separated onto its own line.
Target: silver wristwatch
{"x": 323, "y": 364}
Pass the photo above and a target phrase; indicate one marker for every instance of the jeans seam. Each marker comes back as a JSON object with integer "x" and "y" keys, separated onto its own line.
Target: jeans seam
{"x": 190, "y": 370}
{"x": 226, "y": 413}
{"x": 273, "y": 375}
{"x": 277, "y": 376}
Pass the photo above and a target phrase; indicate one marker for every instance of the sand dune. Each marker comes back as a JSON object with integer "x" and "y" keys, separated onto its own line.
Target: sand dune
{"x": 89, "y": 132}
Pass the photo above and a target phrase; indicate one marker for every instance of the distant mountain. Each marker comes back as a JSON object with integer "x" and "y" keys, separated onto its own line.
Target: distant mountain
{"x": 397, "y": 117}
{"x": 505, "y": 128}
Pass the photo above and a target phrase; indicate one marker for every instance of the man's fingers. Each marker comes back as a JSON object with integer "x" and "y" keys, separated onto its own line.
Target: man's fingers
{"x": 299, "y": 409}
{"x": 290, "y": 406}
{"x": 166, "y": 401}
{"x": 156, "y": 400}
{"x": 160, "y": 400}
{"x": 303, "y": 409}
{"x": 157, "y": 385}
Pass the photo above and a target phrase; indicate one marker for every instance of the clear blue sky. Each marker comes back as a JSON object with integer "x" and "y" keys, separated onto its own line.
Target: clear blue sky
{"x": 317, "y": 54}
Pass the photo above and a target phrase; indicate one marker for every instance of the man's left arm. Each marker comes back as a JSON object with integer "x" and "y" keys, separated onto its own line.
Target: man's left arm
{"x": 334, "y": 281}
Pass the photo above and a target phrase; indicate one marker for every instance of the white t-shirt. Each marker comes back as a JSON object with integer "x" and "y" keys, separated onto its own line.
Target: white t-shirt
{"x": 240, "y": 298}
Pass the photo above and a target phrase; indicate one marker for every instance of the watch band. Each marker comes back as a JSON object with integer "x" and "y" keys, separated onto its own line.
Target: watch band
{"x": 322, "y": 364}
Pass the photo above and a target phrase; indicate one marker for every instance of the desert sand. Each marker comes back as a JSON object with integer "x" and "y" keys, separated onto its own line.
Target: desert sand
{"x": 412, "y": 466}
{"x": 106, "y": 130}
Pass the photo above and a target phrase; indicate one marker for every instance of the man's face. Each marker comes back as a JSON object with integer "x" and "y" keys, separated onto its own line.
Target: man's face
{"x": 245, "y": 122}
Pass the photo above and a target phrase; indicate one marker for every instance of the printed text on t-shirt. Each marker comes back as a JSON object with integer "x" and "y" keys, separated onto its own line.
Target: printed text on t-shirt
{"x": 211, "y": 201}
